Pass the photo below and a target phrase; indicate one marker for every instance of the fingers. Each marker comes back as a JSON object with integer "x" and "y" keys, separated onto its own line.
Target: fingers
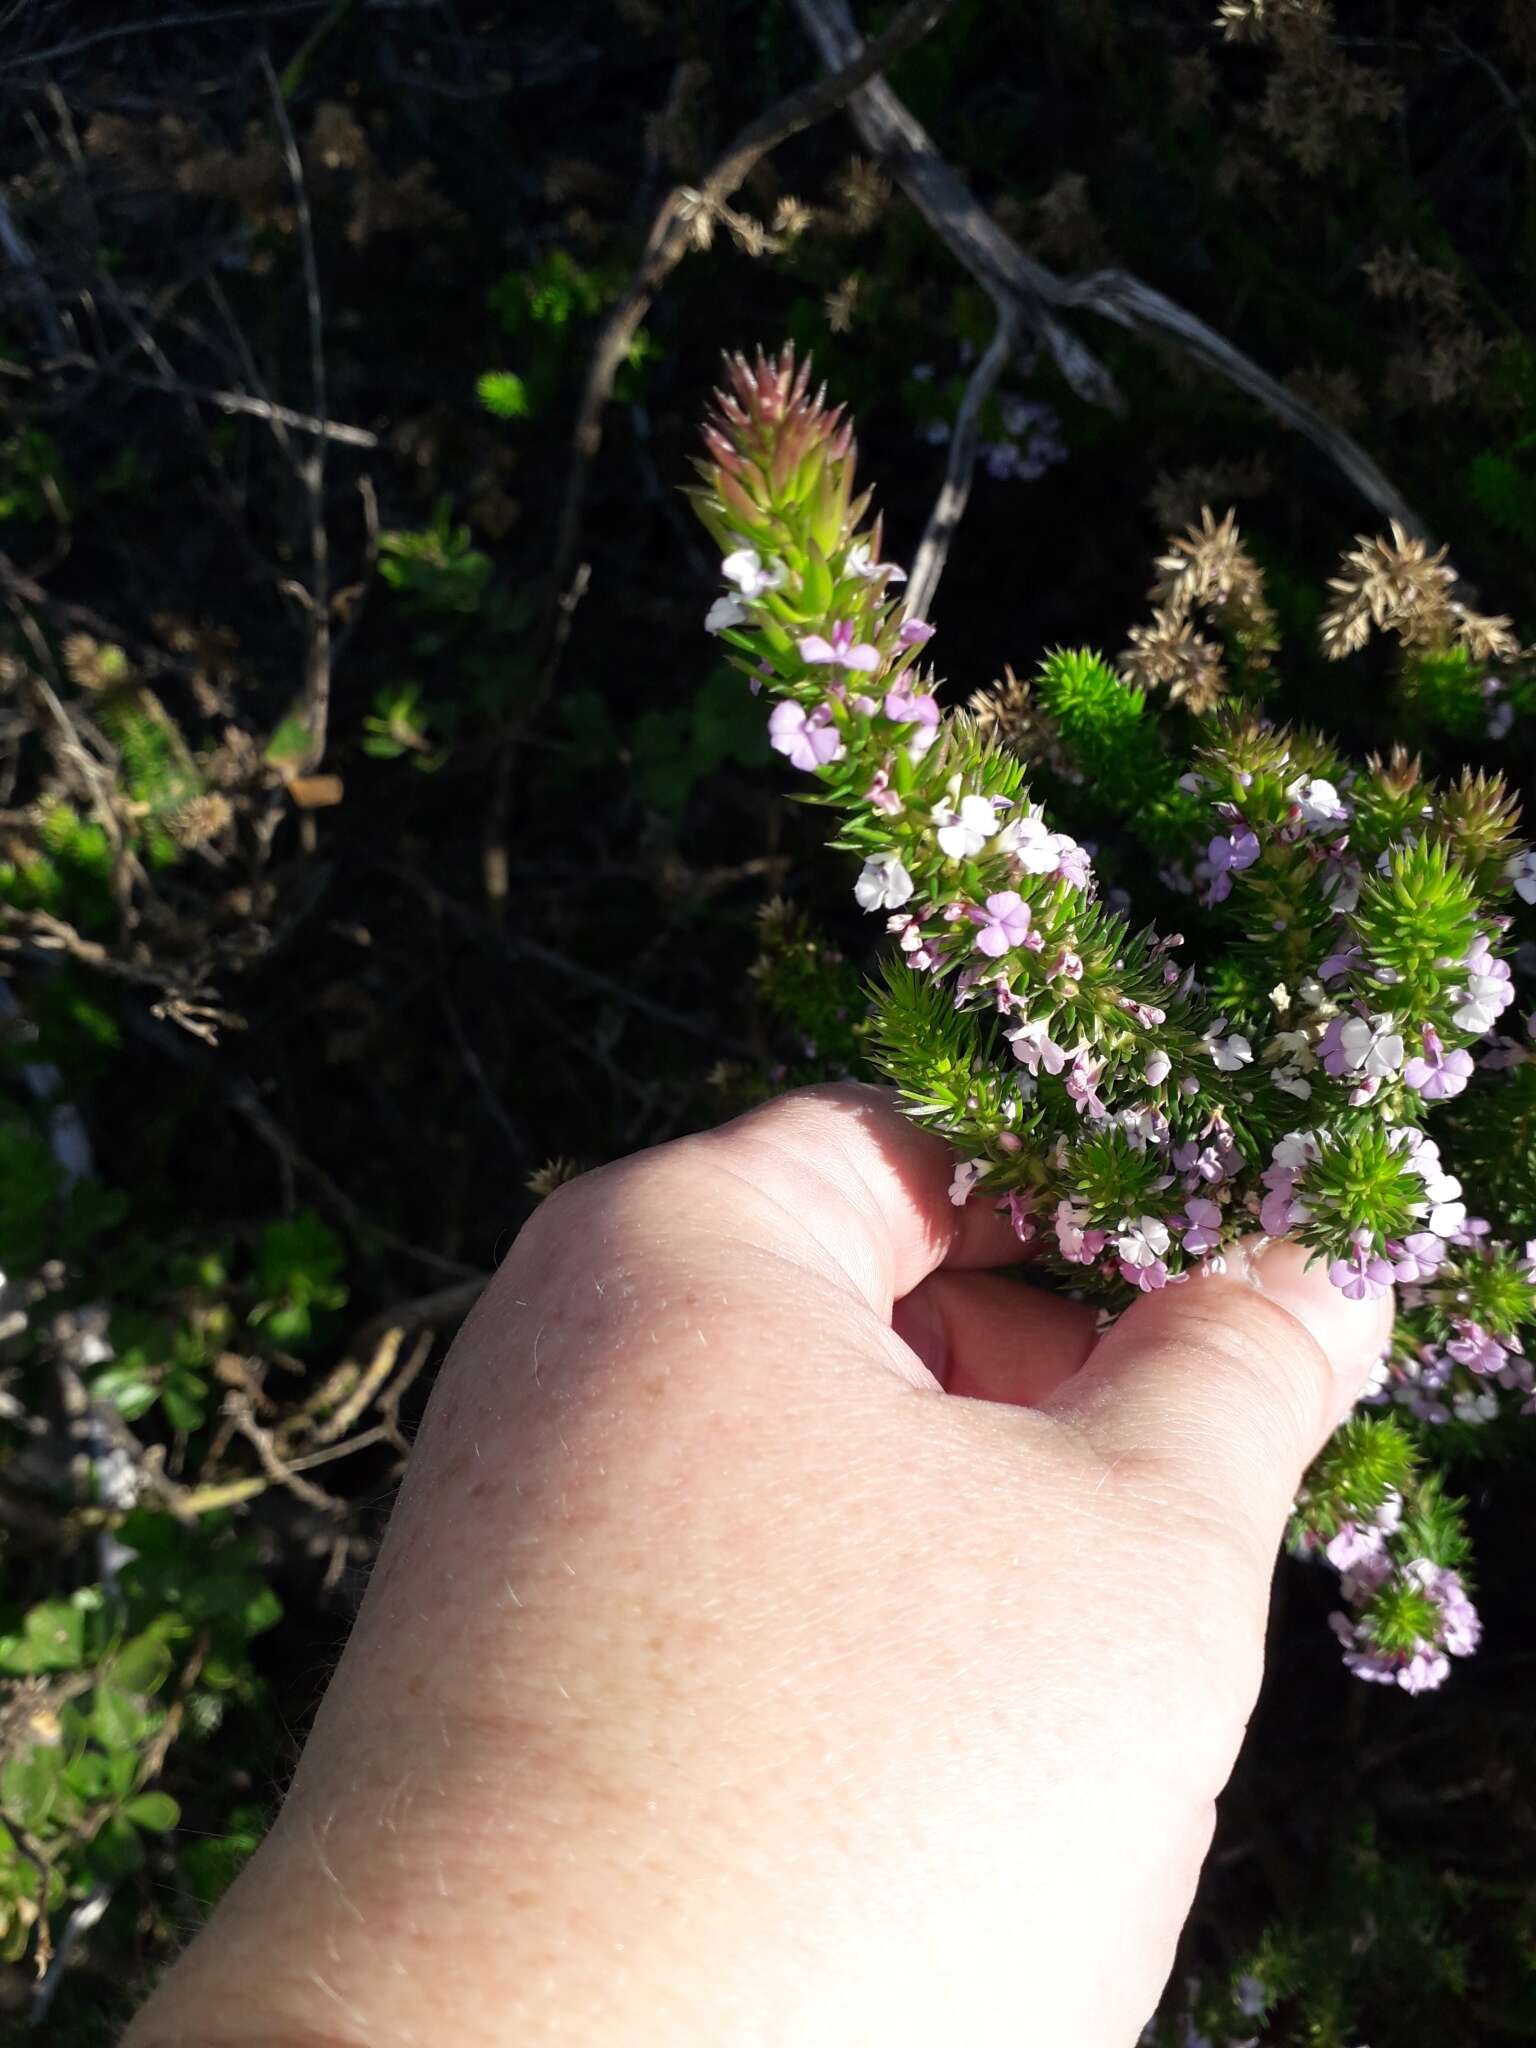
{"x": 1230, "y": 1384}
{"x": 852, "y": 1177}
{"x": 994, "y": 1339}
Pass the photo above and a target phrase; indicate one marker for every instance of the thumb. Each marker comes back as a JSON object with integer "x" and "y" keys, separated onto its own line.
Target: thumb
{"x": 1231, "y": 1383}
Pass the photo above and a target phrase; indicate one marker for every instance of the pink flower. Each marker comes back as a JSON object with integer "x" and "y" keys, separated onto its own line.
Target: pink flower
{"x": 1439, "y": 1074}
{"x": 841, "y": 649}
{"x": 914, "y": 633}
{"x": 907, "y": 708}
{"x": 1004, "y": 924}
{"x": 1035, "y": 1049}
{"x": 809, "y": 741}
{"x": 881, "y": 797}
{"x": 1020, "y": 1207}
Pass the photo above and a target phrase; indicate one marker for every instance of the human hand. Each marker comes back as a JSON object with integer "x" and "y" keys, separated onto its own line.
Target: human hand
{"x": 725, "y": 1679}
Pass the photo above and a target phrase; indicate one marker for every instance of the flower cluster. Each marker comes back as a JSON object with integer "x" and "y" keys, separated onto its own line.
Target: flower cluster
{"x": 1134, "y": 1117}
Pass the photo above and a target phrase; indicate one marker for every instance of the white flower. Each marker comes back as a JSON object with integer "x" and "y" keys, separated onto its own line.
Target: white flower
{"x": 967, "y": 828}
{"x": 1297, "y": 1149}
{"x": 1229, "y": 1053}
{"x": 1157, "y": 1069}
{"x": 967, "y": 1173}
{"x": 860, "y": 563}
{"x": 1318, "y": 801}
{"x": 1521, "y": 872}
{"x": 1031, "y": 843}
{"x": 1143, "y": 1242}
{"x": 883, "y": 883}
{"x": 751, "y": 574}
{"x": 1482, "y": 1406}
{"x": 1371, "y": 1047}
{"x": 725, "y": 611}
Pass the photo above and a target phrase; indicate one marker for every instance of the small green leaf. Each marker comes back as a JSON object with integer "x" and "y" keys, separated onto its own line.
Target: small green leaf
{"x": 115, "y": 1721}
{"x": 156, "y": 1811}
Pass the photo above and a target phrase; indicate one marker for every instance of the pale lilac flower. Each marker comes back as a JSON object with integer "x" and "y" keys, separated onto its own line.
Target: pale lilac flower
{"x": 723, "y": 613}
{"x": 1280, "y": 1209}
{"x": 1204, "y": 1220}
{"x": 1004, "y": 924}
{"x": 906, "y": 707}
{"x": 1082, "y": 1082}
{"x": 965, "y": 828}
{"x": 1072, "y": 863}
{"x": 1475, "y": 1348}
{"x": 1438, "y": 1074}
{"x": 1227, "y": 854}
{"x": 1339, "y": 881}
{"x": 810, "y": 741}
{"x": 914, "y": 633}
{"x": 1157, "y": 1069}
{"x": 967, "y": 1173}
{"x": 1500, "y": 720}
{"x": 1364, "y": 1275}
{"x": 1344, "y": 961}
{"x": 860, "y": 564}
{"x": 883, "y": 883}
{"x": 880, "y": 795}
{"x": 1521, "y": 875}
{"x": 751, "y": 575}
{"x": 1252, "y": 1997}
{"x": 842, "y": 649}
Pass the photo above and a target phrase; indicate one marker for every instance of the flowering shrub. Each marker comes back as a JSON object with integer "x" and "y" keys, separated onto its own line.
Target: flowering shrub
{"x": 1137, "y": 1108}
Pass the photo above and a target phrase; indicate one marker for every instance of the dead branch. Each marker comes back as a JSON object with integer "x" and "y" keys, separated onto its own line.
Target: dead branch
{"x": 674, "y": 232}
{"x": 949, "y": 507}
{"x": 1011, "y": 277}
{"x": 681, "y": 223}
{"x": 32, "y": 285}
{"x": 311, "y": 470}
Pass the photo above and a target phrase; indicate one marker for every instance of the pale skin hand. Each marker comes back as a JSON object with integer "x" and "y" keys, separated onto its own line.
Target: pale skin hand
{"x": 726, "y": 1679}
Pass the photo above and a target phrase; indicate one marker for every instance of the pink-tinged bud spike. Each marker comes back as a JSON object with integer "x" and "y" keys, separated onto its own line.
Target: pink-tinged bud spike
{"x": 722, "y": 450}
{"x": 784, "y": 456}
{"x": 734, "y": 496}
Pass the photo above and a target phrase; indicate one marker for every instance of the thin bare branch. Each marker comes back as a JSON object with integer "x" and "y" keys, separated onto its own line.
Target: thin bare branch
{"x": 672, "y": 235}
{"x": 34, "y": 287}
{"x": 311, "y": 469}
{"x": 949, "y": 507}
{"x": 996, "y": 261}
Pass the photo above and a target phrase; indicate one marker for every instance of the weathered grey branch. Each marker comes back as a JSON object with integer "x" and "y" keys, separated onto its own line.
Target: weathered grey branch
{"x": 311, "y": 469}
{"x": 673, "y": 234}
{"x": 30, "y": 279}
{"x": 949, "y": 507}
{"x": 996, "y": 261}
